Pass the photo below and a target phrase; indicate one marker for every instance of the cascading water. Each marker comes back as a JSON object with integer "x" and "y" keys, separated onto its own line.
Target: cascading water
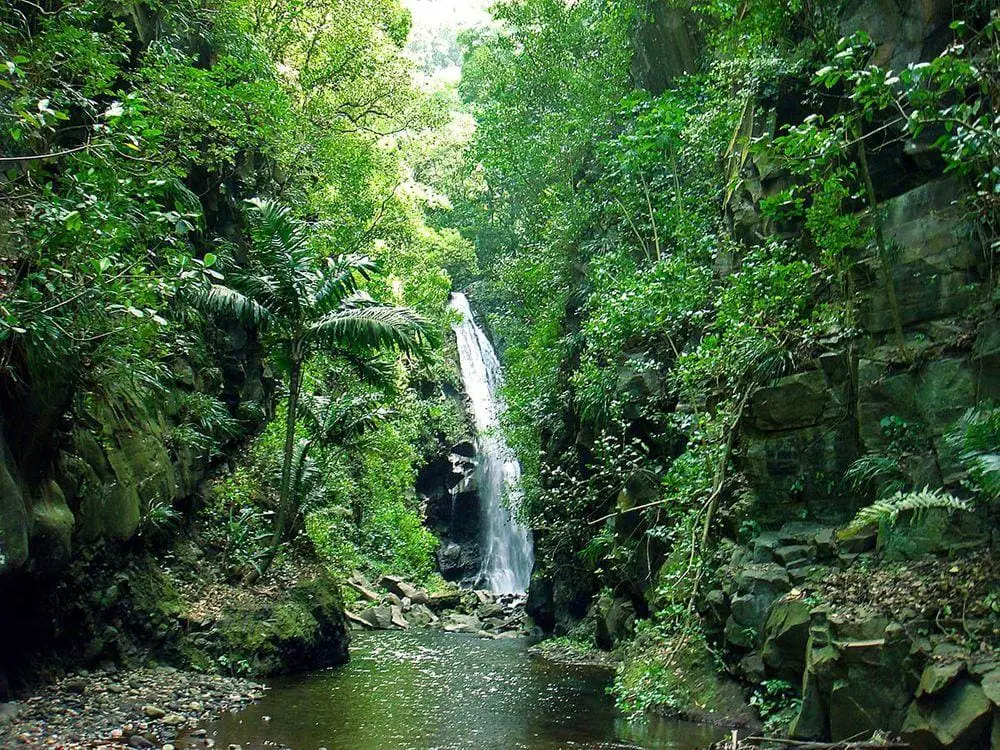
{"x": 506, "y": 543}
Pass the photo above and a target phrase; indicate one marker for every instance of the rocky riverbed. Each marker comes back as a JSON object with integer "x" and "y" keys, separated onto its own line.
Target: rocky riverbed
{"x": 395, "y": 604}
{"x": 153, "y": 707}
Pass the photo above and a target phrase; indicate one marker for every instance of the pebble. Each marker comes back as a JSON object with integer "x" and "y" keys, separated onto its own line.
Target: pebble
{"x": 139, "y": 708}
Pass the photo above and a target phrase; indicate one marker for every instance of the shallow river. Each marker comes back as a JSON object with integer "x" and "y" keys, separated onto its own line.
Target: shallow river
{"x": 423, "y": 690}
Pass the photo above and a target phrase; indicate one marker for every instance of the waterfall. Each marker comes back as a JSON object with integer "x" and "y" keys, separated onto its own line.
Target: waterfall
{"x": 505, "y": 542}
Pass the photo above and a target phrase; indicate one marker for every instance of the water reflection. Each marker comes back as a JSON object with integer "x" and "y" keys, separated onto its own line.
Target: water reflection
{"x": 426, "y": 690}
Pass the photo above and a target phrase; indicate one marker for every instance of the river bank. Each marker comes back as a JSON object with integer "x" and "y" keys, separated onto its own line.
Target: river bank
{"x": 147, "y": 707}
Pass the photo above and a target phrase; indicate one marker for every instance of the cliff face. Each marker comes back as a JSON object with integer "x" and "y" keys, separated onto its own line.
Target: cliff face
{"x": 77, "y": 477}
{"x": 851, "y": 395}
{"x": 89, "y": 465}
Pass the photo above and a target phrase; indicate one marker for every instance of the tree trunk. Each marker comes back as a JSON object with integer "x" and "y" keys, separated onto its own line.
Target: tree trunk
{"x": 285, "y": 495}
{"x": 883, "y": 251}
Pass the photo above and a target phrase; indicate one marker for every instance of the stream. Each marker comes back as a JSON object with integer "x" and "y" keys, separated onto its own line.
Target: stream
{"x": 424, "y": 689}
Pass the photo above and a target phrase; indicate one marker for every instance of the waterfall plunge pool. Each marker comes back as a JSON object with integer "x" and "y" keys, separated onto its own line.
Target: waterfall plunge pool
{"x": 428, "y": 690}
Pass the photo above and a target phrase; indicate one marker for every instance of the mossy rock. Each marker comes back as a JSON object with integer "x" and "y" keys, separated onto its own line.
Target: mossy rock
{"x": 786, "y": 636}
{"x": 52, "y": 525}
{"x": 305, "y": 628}
{"x": 13, "y": 518}
{"x": 958, "y": 719}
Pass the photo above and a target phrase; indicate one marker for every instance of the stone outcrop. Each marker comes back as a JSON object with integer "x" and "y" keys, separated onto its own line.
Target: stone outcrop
{"x": 451, "y": 497}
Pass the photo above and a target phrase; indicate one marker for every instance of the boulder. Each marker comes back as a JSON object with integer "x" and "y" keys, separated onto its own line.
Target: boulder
{"x": 379, "y": 618}
{"x": 991, "y": 686}
{"x": 403, "y": 590}
{"x": 444, "y": 600}
{"x": 793, "y": 554}
{"x": 793, "y": 402}
{"x": 456, "y": 623}
{"x": 764, "y": 579}
{"x": 397, "y": 619}
{"x": 958, "y": 719}
{"x": 420, "y": 614}
{"x": 750, "y": 611}
{"x": 751, "y": 668}
{"x": 358, "y": 620}
{"x": 359, "y": 583}
{"x": 936, "y": 677}
{"x": 616, "y": 617}
{"x": 738, "y": 635}
{"x": 786, "y": 636}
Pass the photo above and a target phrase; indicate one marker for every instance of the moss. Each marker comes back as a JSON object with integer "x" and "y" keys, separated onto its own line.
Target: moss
{"x": 676, "y": 676}
{"x": 303, "y": 629}
{"x": 153, "y": 593}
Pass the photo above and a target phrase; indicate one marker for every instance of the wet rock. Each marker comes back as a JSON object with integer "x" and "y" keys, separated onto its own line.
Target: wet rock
{"x": 751, "y": 667}
{"x": 763, "y": 578}
{"x": 397, "y": 587}
{"x": 8, "y": 712}
{"x": 863, "y": 541}
{"x": 359, "y": 583}
{"x": 421, "y": 614}
{"x": 458, "y": 623}
{"x": 379, "y": 618}
{"x": 991, "y": 687}
{"x": 397, "y": 619}
{"x": 444, "y": 600}
{"x": 154, "y": 712}
{"x": 358, "y": 620}
{"x": 393, "y": 600}
{"x": 75, "y": 685}
{"x": 793, "y": 554}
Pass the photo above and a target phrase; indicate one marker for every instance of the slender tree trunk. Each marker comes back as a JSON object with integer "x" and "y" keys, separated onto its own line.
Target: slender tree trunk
{"x": 285, "y": 495}
{"x": 883, "y": 251}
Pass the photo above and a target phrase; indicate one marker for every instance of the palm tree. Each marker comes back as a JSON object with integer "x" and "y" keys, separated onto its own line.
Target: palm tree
{"x": 301, "y": 306}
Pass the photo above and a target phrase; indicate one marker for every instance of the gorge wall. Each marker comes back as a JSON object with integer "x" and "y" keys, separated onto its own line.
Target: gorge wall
{"x": 857, "y": 650}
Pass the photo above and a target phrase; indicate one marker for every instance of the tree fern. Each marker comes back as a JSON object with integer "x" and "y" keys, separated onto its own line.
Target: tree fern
{"x": 884, "y": 513}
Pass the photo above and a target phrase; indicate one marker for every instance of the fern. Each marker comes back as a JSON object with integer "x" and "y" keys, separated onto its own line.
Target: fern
{"x": 884, "y": 513}
{"x": 876, "y": 471}
{"x": 976, "y": 438}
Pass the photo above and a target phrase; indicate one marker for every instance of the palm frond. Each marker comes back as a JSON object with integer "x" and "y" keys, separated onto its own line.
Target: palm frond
{"x": 282, "y": 243}
{"x": 374, "y": 371}
{"x": 228, "y": 302}
{"x": 340, "y": 279}
{"x": 308, "y": 486}
{"x": 375, "y": 326}
{"x": 885, "y": 512}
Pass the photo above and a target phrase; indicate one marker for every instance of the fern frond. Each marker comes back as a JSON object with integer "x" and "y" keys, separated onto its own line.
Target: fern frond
{"x": 885, "y": 512}
{"x": 976, "y": 437}
{"x": 985, "y": 471}
{"x": 875, "y": 470}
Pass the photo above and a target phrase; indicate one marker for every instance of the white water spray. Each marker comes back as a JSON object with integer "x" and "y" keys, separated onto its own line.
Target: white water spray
{"x": 506, "y": 543}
